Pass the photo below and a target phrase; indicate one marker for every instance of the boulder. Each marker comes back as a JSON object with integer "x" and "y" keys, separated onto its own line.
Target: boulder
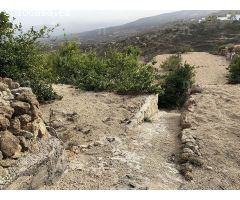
{"x": 15, "y": 126}
{"x": 20, "y": 107}
{"x": 24, "y": 119}
{"x": 7, "y": 111}
{"x": 9, "y": 144}
{"x": 28, "y": 97}
{"x": 3, "y": 87}
{"x": 4, "y": 123}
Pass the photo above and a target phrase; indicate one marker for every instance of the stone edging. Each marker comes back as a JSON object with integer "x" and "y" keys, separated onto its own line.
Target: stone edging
{"x": 190, "y": 156}
{"x": 147, "y": 110}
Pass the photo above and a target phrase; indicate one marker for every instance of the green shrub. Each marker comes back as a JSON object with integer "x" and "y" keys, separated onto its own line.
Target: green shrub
{"x": 21, "y": 57}
{"x": 234, "y": 71}
{"x": 175, "y": 86}
{"x": 172, "y": 62}
{"x": 118, "y": 71}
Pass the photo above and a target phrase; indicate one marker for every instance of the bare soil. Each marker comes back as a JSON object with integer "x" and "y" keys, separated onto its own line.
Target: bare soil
{"x": 104, "y": 154}
{"x": 209, "y": 69}
{"x": 215, "y": 123}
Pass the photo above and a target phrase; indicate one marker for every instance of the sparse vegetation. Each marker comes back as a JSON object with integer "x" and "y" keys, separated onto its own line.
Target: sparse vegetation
{"x": 172, "y": 62}
{"x": 234, "y": 71}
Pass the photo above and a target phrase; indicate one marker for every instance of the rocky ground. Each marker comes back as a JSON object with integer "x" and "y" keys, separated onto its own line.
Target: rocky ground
{"x": 103, "y": 153}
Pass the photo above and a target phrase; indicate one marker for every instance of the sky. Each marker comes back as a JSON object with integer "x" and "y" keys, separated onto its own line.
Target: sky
{"x": 75, "y": 21}
{"x": 83, "y": 15}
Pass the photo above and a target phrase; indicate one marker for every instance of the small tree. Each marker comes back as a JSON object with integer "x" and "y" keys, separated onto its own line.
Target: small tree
{"x": 175, "y": 86}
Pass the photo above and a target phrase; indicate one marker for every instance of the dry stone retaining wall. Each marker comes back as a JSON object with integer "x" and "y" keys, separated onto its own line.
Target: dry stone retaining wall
{"x": 27, "y": 151}
{"x": 190, "y": 155}
{"x": 148, "y": 109}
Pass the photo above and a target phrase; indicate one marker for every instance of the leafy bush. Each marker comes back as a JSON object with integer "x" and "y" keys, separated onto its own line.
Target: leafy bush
{"x": 175, "y": 86}
{"x": 172, "y": 62}
{"x": 118, "y": 71}
{"x": 234, "y": 71}
{"x": 21, "y": 57}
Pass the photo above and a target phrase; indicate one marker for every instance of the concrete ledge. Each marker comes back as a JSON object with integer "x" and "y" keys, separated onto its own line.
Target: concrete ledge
{"x": 148, "y": 109}
{"x": 36, "y": 169}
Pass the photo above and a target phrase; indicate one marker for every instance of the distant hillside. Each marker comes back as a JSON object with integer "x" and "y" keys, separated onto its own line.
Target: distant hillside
{"x": 140, "y": 26}
{"x": 184, "y": 36}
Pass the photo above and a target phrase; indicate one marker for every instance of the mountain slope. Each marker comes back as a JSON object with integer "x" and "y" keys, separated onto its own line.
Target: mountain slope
{"x": 141, "y": 25}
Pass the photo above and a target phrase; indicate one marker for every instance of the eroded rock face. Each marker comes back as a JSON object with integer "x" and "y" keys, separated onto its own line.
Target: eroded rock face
{"x": 24, "y": 140}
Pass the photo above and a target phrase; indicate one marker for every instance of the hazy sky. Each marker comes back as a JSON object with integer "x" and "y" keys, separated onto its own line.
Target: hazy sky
{"x": 74, "y": 21}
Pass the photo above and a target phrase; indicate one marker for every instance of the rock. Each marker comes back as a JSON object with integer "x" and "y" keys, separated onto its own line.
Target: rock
{"x": 97, "y": 143}
{"x": 24, "y": 143}
{"x": 86, "y": 131}
{"x": 28, "y": 127}
{"x": 8, "y": 163}
{"x": 24, "y": 119}
{"x": 188, "y": 176}
{"x": 110, "y": 139}
{"x": 7, "y": 81}
{"x": 187, "y": 150}
{"x": 21, "y": 90}
{"x": 14, "y": 85}
{"x": 39, "y": 128}
{"x": 3, "y": 87}
{"x": 184, "y": 157}
{"x": 15, "y": 125}
{"x": 9, "y": 144}
{"x": 184, "y": 121}
{"x": 28, "y": 97}
{"x": 196, "y": 89}
{"x": 4, "y": 123}
{"x": 1, "y": 155}
{"x": 196, "y": 161}
{"x": 26, "y": 134}
{"x": 3, "y": 172}
{"x": 7, "y": 111}
{"x": 20, "y": 108}
{"x": 209, "y": 168}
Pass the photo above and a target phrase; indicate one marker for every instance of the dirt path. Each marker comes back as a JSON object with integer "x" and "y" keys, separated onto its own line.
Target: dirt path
{"x": 210, "y": 69}
{"x": 162, "y": 147}
{"x": 111, "y": 156}
{"x": 215, "y": 123}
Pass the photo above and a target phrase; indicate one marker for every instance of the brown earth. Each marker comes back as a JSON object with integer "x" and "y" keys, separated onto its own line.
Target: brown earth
{"x": 215, "y": 123}
{"x": 210, "y": 69}
{"x": 103, "y": 154}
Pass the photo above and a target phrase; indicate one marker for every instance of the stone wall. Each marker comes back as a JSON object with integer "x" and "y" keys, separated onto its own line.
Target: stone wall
{"x": 190, "y": 155}
{"x": 25, "y": 145}
{"x": 148, "y": 109}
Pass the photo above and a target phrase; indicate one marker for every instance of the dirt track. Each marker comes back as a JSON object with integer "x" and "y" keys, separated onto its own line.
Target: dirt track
{"x": 110, "y": 156}
{"x": 210, "y": 69}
